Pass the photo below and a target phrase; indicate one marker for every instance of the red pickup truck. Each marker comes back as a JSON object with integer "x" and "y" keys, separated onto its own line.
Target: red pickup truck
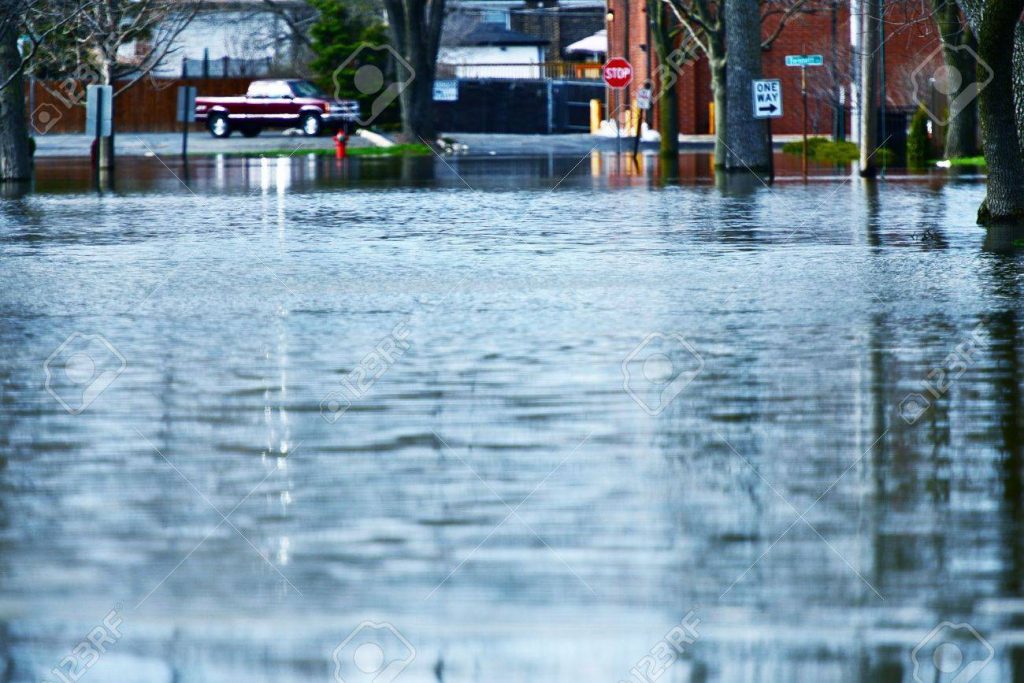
{"x": 287, "y": 103}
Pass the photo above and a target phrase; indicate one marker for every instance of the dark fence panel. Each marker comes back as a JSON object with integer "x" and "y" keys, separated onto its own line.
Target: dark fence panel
{"x": 495, "y": 106}
{"x": 572, "y": 105}
{"x": 518, "y": 106}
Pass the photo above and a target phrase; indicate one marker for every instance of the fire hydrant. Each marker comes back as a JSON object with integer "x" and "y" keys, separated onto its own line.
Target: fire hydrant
{"x": 340, "y": 144}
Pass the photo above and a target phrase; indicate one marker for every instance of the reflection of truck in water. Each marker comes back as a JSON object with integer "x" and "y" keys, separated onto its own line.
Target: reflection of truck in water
{"x": 289, "y": 103}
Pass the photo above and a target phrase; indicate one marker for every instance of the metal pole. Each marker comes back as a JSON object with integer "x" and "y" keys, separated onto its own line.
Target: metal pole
{"x": 639, "y": 125}
{"x": 618, "y": 132}
{"x": 883, "y": 134}
{"x": 32, "y": 100}
{"x": 803, "y": 95}
{"x": 99, "y": 131}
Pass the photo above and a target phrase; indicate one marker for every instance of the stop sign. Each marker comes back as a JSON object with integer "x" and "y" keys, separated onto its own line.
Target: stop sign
{"x": 617, "y": 72}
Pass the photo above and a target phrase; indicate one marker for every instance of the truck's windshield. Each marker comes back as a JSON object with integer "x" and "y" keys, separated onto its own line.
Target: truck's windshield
{"x": 306, "y": 89}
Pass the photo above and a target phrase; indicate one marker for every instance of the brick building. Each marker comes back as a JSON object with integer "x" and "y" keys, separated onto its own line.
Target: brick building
{"x": 909, "y": 52}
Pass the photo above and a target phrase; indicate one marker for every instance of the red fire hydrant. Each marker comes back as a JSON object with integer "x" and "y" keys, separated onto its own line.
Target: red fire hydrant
{"x": 340, "y": 145}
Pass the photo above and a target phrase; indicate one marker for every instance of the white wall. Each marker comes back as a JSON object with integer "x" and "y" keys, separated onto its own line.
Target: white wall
{"x": 524, "y": 55}
{"x": 225, "y": 33}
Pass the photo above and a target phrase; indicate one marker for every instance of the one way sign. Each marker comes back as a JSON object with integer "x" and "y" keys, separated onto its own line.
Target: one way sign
{"x": 767, "y": 98}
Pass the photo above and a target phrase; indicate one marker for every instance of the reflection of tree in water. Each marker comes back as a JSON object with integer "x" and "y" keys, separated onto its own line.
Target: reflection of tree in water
{"x": 1004, "y": 347}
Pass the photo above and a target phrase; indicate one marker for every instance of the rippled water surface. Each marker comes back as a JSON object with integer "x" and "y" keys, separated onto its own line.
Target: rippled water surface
{"x": 529, "y": 413}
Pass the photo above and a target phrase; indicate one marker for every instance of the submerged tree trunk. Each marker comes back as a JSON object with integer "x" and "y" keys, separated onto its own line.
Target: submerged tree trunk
{"x": 668, "y": 123}
{"x": 870, "y": 25}
{"x": 962, "y": 129}
{"x": 997, "y": 28}
{"x": 748, "y": 147}
{"x": 666, "y": 75}
{"x": 415, "y": 27}
{"x": 15, "y": 161}
{"x": 717, "y": 62}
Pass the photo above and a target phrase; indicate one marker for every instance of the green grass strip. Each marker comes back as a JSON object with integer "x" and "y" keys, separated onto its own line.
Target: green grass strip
{"x": 413, "y": 149}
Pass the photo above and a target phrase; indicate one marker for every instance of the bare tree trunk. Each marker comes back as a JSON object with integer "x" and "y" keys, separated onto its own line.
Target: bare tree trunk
{"x": 962, "y": 130}
{"x": 668, "y": 123}
{"x": 869, "y": 44}
{"x": 415, "y": 27}
{"x": 747, "y": 138}
{"x": 717, "y": 62}
{"x": 668, "y": 100}
{"x": 1004, "y": 200}
{"x": 15, "y": 161}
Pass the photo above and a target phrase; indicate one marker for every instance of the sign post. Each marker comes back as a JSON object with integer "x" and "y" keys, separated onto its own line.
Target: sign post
{"x": 804, "y": 61}
{"x": 186, "y": 114}
{"x": 99, "y": 120}
{"x": 643, "y": 103}
{"x": 617, "y": 74}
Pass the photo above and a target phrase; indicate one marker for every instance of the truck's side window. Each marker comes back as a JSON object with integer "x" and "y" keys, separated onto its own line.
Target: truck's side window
{"x": 278, "y": 89}
{"x": 258, "y": 89}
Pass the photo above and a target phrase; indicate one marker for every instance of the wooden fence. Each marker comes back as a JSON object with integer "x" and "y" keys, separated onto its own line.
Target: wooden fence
{"x": 149, "y": 106}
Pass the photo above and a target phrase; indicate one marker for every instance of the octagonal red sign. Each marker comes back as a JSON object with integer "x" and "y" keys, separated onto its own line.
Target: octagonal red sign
{"x": 617, "y": 72}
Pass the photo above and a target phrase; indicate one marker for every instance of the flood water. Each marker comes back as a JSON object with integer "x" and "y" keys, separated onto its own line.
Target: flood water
{"x": 531, "y": 418}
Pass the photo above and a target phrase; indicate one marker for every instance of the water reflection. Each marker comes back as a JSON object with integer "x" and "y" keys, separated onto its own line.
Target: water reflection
{"x": 789, "y": 497}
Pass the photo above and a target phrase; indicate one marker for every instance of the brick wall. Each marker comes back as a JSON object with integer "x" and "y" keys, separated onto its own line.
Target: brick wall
{"x": 910, "y": 40}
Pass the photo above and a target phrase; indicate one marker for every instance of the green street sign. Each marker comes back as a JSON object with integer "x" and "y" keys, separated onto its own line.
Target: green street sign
{"x": 804, "y": 60}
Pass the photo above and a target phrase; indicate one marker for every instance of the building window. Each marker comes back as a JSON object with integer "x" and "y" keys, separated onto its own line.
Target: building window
{"x": 496, "y": 16}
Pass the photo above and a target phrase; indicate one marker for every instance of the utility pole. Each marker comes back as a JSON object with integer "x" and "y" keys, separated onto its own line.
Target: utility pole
{"x": 870, "y": 45}
{"x": 856, "y": 7}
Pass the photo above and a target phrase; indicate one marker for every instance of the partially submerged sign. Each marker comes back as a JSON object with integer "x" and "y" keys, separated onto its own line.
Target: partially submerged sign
{"x": 99, "y": 108}
{"x": 446, "y": 91}
{"x": 767, "y": 94}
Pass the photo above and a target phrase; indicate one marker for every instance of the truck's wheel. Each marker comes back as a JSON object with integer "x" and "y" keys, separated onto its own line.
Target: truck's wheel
{"x": 311, "y": 124}
{"x": 251, "y": 131}
{"x": 219, "y": 125}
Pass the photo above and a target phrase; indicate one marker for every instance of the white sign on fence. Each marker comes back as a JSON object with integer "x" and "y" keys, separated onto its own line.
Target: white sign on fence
{"x": 99, "y": 98}
{"x": 446, "y": 91}
{"x": 767, "y": 94}
{"x": 186, "y": 104}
